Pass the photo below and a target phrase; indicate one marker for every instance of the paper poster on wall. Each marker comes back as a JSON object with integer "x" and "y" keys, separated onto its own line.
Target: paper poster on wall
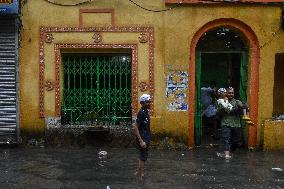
{"x": 176, "y": 90}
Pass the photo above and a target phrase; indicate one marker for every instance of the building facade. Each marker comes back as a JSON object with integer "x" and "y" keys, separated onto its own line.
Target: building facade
{"x": 85, "y": 63}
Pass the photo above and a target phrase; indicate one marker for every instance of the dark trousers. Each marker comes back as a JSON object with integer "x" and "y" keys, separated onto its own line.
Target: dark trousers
{"x": 231, "y": 137}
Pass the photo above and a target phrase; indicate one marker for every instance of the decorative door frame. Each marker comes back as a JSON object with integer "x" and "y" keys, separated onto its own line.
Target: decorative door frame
{"x": 253, "y": 74}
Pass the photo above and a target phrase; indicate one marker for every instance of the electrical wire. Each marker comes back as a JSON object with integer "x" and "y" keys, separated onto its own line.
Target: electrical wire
{"x": 74, "y": 4}
{"x": 170, "y": 8}
{"x": 161, "y": 10}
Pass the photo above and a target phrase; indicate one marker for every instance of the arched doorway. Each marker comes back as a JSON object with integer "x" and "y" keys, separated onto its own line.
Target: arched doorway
{"x": 221, "y": 61}
{"x": 250, "y": 52}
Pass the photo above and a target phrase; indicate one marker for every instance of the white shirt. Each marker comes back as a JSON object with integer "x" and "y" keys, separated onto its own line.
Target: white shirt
{"x": 225, "y": 104}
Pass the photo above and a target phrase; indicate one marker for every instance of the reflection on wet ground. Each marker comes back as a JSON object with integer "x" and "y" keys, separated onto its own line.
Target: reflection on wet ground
{"x": 85, "y": 168}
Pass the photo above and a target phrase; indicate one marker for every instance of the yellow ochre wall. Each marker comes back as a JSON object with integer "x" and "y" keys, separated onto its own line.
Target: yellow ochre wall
{"x": 173, "y": 32}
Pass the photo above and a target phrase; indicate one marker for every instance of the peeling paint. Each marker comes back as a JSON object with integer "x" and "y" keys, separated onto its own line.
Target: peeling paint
{"x": 52, "y": 122}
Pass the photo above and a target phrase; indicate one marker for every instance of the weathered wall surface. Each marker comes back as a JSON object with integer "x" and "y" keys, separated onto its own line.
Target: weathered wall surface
{"x": 273, "y": 135}
{"x": 173, "y": 32}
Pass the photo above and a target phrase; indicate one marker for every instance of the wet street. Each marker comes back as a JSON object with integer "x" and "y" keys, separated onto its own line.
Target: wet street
{"x": 74, "y": 167}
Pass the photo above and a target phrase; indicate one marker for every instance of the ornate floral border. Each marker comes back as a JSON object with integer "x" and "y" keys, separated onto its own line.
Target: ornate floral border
{"x": 45, "y": 31}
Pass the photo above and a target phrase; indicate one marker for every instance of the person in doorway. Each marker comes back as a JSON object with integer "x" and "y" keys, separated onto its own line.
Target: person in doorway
{"x": 209, "y": 119}
{"x": 231, "y": 123}
{"x": 143, "y": 133}
{"x": 207, "y": 94}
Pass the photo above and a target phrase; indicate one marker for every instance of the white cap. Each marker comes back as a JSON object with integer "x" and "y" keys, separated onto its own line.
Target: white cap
{"x": 145, "y": 97}
{"x": 222, "y": 90}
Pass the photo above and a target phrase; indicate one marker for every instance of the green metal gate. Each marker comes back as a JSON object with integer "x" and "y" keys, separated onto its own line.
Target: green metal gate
{"x": 97, "y": 89}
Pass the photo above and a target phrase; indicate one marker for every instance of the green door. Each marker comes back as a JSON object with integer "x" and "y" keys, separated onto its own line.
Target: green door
{"x": 198, "y": 105}
{"x": 209, "y": 67}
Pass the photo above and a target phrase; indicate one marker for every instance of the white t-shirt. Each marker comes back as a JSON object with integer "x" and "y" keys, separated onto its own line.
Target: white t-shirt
{"x": 225, "y": 104}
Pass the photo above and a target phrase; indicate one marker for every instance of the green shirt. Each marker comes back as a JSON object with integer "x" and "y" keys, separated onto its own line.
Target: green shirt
{"x": 227, "y": 119}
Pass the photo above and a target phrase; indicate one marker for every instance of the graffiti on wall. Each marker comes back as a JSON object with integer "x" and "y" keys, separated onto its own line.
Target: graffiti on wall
{"x": 176, "y": 90}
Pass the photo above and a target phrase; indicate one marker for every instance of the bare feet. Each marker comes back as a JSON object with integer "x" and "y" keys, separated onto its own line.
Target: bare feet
{"x": 141, "y": 177}
{"x": 227, "y": 155}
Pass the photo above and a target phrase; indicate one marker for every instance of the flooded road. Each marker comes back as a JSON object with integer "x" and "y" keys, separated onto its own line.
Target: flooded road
{"x": 73, "y": 167}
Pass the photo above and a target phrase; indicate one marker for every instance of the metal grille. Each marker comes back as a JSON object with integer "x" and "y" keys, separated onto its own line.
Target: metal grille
{"x": 8, "y": 94}
{"x": 97, "y": 90}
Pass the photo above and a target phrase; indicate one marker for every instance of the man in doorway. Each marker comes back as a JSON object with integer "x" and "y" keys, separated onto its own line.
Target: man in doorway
{"x": 143, "y": 133}
{"x": 231, "y": 123}
{"x": 206, "y": 96}
{"x": 208, "y": 100}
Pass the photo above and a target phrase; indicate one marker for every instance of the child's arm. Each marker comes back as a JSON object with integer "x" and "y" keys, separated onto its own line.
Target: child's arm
{"x": 136, "y": 125}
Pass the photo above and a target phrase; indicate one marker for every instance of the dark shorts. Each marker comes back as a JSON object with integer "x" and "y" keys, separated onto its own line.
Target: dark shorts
{"x": 143, "y": 152}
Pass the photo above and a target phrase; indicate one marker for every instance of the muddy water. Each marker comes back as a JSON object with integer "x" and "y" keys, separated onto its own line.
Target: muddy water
{"x": 83, "y": 168}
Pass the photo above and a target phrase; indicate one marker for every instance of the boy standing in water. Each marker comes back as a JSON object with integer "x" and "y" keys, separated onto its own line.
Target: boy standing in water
{"x": 143, "y": 133}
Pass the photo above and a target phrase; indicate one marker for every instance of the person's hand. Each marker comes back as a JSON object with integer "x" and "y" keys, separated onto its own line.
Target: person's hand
{"x": 143, "y": 144}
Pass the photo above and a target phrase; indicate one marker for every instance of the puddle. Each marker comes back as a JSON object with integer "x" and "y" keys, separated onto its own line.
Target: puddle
{"x": 114, "y": 168}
